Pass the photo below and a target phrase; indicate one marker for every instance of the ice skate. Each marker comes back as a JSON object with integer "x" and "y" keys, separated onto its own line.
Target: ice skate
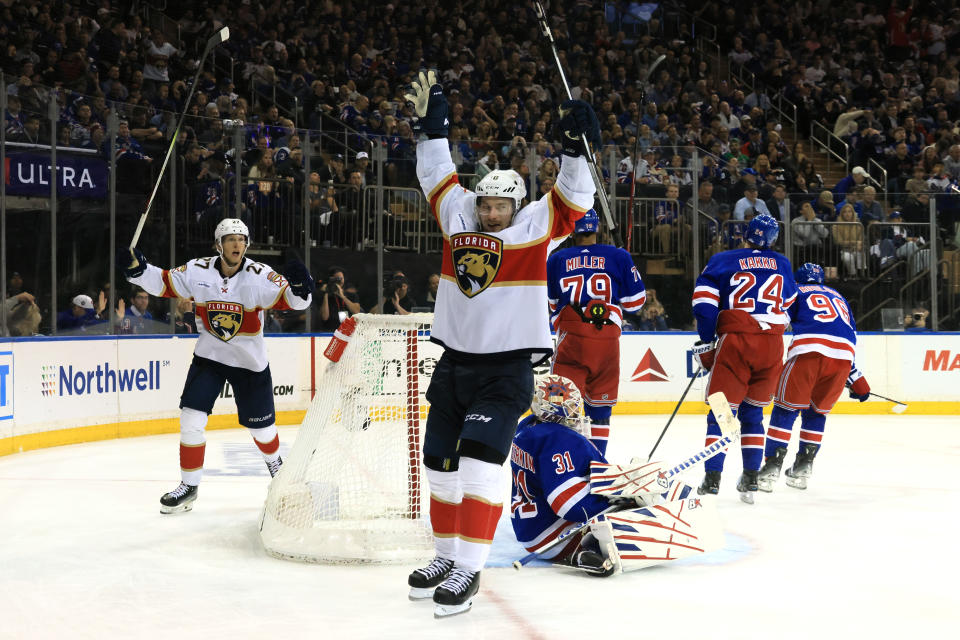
{"x": 424, "y": 581}
{"x": 802, "y": 467}
{"x": 180, "y": 499}
{"x": 747, "y": 486}
{"x": 455, "y": 594}
{"x": 770, "y": 471}
{"x": 710, "y": 484}
{"x": 274, "y": 467}
{"x": 592, "y": 563}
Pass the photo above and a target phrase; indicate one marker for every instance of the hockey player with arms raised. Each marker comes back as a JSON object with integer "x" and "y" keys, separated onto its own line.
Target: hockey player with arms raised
{"x": 491, "y": 318}
{"x": 820, "y": 360}
{"x": 551, "y": 462}
{"x": 590, "y": 287}
{"x": 741, "y": 303}
{"x": 231, "y": 292}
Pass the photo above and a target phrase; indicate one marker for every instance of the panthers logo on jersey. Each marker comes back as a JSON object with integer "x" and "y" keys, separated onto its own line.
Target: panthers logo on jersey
{"x": 476, "y": 260}
{"x": 224, "y": 319}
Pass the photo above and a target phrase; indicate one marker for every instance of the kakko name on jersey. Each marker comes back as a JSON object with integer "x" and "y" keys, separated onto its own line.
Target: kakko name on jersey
{"x": 822, "y": 323}
{"x": 231, "y": 309}
{"x": 501, "y": 270}
{"x": 577, "y": 275}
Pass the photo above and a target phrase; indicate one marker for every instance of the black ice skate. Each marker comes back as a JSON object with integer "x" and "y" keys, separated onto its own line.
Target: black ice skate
{"x": 747, "y": 486}
{"x": 274, "y": 467}
{"x": 710, "y": 484}
{"x": 802, "y": 467}
{"x": 593, "y": 563}
{"x": 424, "y": 581}
{"x": 455, "y": 594}
{"x": 180, "y": 499}
{"x": 770, "y": 471}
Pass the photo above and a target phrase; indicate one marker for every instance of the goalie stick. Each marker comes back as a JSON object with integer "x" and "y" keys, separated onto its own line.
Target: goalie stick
{"x": 588, "y": 156}
{"x": 220, "y": 36}
{"x": 728, "y": 424}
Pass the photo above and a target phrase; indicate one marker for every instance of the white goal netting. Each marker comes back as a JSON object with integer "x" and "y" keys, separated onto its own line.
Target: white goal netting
{"x": 352, "y": 488}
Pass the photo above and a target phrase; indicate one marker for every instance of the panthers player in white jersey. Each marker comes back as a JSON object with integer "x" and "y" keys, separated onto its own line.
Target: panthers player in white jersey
{"x": 231, "y": 292}
{"x": 491, "y": 318}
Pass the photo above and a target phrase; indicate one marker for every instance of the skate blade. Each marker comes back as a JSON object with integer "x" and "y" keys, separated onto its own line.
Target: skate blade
{"x": 447, "y": 610}
{"x": 747, "y": 496}
{"x": 766, "y": 486}
{"x": 797, "y": 483}
{"x": 183, "y": 508}
{"x": 421, "y": 593}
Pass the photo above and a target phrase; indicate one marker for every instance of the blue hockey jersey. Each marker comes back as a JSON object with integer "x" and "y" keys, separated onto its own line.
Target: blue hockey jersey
{"x": 758, "y": 283}
{"x": 822, "y": 323}
{"x": 550, "y": 466}
{"x": 577, "y": 275}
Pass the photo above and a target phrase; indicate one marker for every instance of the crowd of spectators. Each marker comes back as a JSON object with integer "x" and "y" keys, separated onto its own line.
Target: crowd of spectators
{"x": 881, "y": 76}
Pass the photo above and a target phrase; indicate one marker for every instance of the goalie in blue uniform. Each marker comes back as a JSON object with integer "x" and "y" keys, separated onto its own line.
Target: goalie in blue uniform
{"x": 553, "y": 493}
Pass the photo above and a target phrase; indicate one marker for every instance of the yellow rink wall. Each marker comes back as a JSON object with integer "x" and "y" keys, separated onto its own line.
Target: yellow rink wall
{"x": 58, "y": 391}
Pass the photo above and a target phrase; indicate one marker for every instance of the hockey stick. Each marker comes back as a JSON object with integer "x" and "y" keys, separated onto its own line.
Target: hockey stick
{"x": 636, "y": 148}
{"x": 220, "y": 36}
{"x": 675, "y": 409}
{"x": 901, "y": 406}
{"x": 727, "y": 424}
{"x": 591, "y": 161}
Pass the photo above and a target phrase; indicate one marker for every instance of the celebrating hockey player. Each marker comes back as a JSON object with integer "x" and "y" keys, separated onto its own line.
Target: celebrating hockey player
{"x": 551, "y": 467}
{"x": 740, "y": 303}
{"x": 231, "y": 292}
{"x": 820, "y": 359}
{"x": 491, "y": 318}
{"x": 590, "y": 287}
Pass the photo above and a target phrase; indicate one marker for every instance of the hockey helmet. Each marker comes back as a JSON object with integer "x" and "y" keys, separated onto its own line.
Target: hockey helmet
{"x": 557, "y": 399}
{"x": 589, "y": 223}
{"x": 762, "y": 231}
{"x": 809, "y": 273}
{"x": 502, "y": 183}
{"x": 230, "y": 226}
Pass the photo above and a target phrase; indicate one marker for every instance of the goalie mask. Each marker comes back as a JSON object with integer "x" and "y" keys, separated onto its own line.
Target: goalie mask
{"x": 502, "y": 183}
{"x": 557, "y": 399}
{"x": 230, "y": 226}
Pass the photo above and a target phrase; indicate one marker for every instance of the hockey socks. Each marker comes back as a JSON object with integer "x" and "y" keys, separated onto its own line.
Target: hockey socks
{"x": 751, "y": 435}
{"x": 445, "y": 498}
{"x": 714, "y": 433}
{"x": 192, "y": 445}
{"x": 479, "y": 512}
{"x": 781, "y": 425}
{"x": 812, "y": 423}
{"x": 268, "y": 441}
{"x": 599, "y": 425}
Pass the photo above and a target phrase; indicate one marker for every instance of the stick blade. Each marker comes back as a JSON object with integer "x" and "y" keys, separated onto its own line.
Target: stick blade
{"x": 898, "y": 408}
{"x": 721, "y": 411}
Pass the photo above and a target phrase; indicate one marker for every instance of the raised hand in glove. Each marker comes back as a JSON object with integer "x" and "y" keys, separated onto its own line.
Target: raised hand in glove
{"x": 859, "y": 389}
{"x": 577, "y": 118}
{"x": 299, "y": 279}
{"x": 705, "y": 353}
{"x": 430, "y": 104}
{"x": 131, "y": 262}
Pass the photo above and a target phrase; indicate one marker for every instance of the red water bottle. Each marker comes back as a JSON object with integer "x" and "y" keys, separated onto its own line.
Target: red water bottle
{"x": 340, "y": 339}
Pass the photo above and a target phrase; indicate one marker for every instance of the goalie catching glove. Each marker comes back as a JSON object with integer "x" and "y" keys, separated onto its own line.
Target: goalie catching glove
{"x": 430, "y": 104}
{"x": 131, "y": 263}
{"x": 577, "y": 119}
{"x": 859, "y": 389}
{"x": 705, "y": 353}
{"x": 301, "y": 283}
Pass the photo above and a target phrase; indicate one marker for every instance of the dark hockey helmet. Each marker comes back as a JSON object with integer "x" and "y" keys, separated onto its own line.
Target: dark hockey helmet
{"x": 809, "y": 273}
{"x": 589, "y": 223}
{"x": 762, "y": 231}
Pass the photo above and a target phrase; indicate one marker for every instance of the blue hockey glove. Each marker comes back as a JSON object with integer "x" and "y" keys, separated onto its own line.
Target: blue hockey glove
{"x": 131, "y": 262}
{"x": 577, "y": 118}
{"x": 299, "y": 279}
{"x": 430, "y": 104}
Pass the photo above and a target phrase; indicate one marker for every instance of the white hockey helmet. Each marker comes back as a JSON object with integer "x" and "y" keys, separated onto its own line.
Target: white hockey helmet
{"x": 557, "y": 399}
{"x": 502, "y": 183}
{"x": 230, "y": 226}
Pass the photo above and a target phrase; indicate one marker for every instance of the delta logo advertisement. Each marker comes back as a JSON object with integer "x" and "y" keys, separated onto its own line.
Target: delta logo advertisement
{"x": 59, "y": 380}
{"x": 649, "y": 369}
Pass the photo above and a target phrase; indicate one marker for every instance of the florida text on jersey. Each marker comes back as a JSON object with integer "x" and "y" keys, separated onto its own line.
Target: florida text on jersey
{"x": 230, "y": 309}
{"x": 502, "y": 274}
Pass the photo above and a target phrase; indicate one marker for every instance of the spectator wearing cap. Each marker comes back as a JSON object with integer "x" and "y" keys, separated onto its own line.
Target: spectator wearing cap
{"x": 856, "y": 178}
{"x": 749, "y": 201}
{"x": 825, "y": 208}
{"x": 362, "y": 164}
{"x": 81, "y": 314}
{"x": 30, "y": 133}
{"x": 333, "y": 170}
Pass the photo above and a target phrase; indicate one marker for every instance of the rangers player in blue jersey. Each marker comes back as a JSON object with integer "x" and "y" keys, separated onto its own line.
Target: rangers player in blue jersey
{"x": 590, "y": 287}
{"x": 820, "y": 360}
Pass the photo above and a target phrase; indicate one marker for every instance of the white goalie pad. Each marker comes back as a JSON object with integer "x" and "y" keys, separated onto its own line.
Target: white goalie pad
{"x": 648, "y": 536}
{"x": 632, "y": 480}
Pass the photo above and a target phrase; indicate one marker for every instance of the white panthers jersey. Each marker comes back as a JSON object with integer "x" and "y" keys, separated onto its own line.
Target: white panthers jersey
{"x": 230, "y": 310}
{"x": 492, "y": 299}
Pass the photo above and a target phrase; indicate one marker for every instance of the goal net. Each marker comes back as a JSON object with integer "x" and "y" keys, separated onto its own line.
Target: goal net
{"x": 352, "y": 488}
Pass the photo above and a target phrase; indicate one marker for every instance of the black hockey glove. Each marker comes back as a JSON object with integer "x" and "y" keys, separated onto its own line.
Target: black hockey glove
{"x": 431, "y": 106}
{"x": 577, "y": 119}
{"x": 299, "y": 279}
{"x": 131, "y": 262}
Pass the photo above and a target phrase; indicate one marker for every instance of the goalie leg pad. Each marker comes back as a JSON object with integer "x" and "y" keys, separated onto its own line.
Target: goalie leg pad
{"x": 669, "y": 531}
